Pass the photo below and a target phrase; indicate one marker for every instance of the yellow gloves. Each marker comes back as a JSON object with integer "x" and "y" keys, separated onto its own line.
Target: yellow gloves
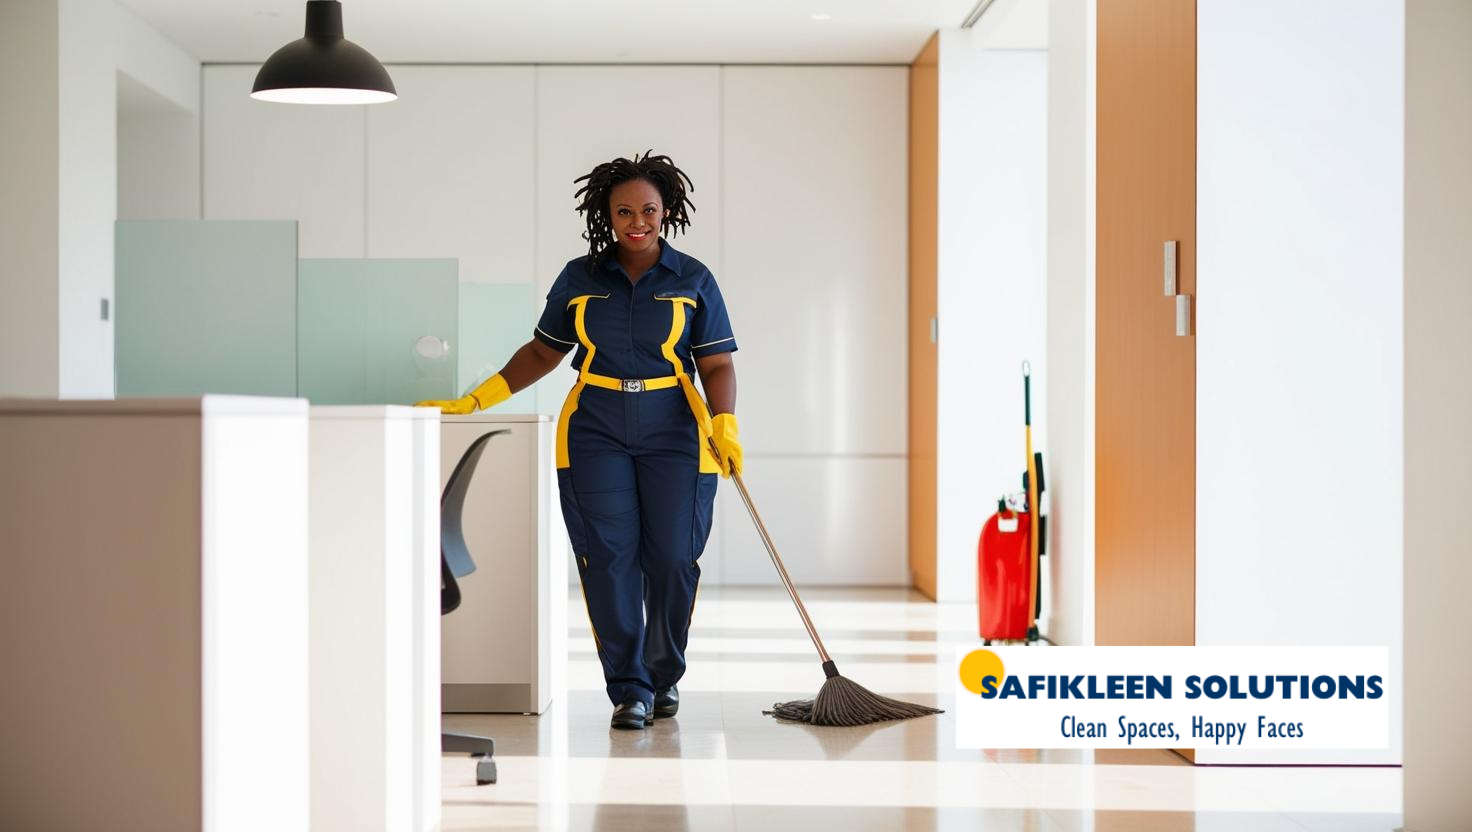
{"x": 723, "y": 432}
{"x": 494, "y": 391}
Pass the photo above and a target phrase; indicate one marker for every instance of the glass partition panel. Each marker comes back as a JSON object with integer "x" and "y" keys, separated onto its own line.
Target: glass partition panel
{"x": 377, "y": 331}
{"x": 495, "y": 320}
{"x": 205, "y": 306}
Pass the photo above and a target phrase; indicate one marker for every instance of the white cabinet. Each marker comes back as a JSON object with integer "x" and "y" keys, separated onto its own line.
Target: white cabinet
{"x": 498, "y": 647}
{"x": 449, "y": 170}
{"x": 374, "y": 626}
{"x": 814, "y": 242}
{"x": 834, "y": 520}
{"x": 155, "y": 591}
{"x": 265, "y": 161}
{"x": 814, "y": 166}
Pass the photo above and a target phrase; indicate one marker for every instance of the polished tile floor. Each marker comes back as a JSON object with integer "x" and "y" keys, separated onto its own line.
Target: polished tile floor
{"x": 722, "y": 765}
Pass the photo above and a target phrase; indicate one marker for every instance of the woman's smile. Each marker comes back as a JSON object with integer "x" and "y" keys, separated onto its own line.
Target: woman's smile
{"x": 635, "y": 213}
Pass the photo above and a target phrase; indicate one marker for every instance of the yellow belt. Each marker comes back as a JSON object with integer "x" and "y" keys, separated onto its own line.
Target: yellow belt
{"x": 641, "y": 385}
{"x": 630, "y": 385}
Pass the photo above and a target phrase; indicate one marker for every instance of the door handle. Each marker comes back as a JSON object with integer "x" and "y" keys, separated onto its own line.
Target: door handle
{"x": 1170, "y": 268}
{"x": 1183, "y": 302}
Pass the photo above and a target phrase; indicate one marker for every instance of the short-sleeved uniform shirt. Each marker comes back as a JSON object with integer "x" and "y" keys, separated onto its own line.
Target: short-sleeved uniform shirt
{"x": 629, "y": 323}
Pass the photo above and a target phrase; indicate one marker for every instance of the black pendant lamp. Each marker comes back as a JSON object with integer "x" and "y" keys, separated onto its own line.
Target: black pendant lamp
{"x": 323, "y": 67}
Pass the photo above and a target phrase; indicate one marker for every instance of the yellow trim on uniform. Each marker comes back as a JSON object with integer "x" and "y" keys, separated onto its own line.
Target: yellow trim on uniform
{"x": 583, "y": 299}
{"x": 693, "y": 598}
{"x": 570, "y": 406}
{"x": 708, "y": 464}
{"x": 597, "y": 642}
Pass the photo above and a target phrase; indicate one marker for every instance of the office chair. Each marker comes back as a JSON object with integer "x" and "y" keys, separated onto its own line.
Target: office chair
{"x": 456, "y": 562}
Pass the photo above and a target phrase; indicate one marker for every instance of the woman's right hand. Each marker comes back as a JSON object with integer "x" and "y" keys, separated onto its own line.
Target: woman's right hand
{"x": 490, "y": 393}
{"x": 453, "y": 407}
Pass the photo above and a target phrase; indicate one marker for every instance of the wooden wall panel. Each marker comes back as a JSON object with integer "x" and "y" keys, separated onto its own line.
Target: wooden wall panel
{"x": 1145, "y": 479}
{"x": 924, "y": 195}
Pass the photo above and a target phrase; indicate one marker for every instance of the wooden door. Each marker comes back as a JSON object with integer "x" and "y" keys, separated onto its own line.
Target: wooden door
{"x": 924, "y": 185}
{"x": 1145, "y": 432}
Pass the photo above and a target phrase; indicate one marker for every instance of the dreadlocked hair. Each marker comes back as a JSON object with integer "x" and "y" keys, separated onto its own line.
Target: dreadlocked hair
{"x": 659, "y": 171}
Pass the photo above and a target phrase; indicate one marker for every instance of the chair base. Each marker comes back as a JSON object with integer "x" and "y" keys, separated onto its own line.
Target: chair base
{"x": 481, "y": 748}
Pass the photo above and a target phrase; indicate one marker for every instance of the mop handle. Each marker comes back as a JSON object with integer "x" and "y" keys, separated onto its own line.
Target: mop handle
{"x": 761, "y": 529}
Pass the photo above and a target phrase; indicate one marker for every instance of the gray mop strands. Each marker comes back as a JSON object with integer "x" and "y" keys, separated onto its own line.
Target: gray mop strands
{"x": 840, "y": 701}
{"x": 844, "y": 702}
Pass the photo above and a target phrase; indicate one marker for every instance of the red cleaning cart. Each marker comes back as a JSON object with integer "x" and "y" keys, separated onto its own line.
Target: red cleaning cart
{"x": 1007, "y": 576}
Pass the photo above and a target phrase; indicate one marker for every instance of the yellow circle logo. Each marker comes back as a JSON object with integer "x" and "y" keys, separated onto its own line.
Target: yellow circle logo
{"x": 978, "y": 665}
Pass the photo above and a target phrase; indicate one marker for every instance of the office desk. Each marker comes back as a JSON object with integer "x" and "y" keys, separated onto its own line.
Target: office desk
{"x": 497, "y": 649}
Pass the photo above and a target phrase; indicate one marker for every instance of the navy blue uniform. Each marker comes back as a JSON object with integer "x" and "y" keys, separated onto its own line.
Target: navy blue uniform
{"x": 636, "y": 481}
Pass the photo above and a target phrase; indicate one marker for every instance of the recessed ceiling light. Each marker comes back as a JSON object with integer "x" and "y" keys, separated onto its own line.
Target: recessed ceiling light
{"x": 821, "y": 16}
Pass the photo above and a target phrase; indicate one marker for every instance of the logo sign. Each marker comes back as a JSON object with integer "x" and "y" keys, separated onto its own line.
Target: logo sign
{"x": 1173, "y": 697}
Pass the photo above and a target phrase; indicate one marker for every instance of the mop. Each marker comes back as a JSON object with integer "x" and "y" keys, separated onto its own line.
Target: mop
{"x": 841, "y": 701}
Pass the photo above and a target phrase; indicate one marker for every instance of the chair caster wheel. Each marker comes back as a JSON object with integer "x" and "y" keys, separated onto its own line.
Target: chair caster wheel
{"x": 485, "y": 772}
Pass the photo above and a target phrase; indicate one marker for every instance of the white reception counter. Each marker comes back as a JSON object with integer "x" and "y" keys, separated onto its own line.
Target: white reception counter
{"x": 154, "y": 587}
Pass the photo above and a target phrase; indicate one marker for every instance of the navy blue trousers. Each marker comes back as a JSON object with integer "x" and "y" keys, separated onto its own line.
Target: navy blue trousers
{"x": 638, "y": 513}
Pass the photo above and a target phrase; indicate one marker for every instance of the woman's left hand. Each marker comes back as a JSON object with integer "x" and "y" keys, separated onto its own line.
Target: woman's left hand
{"x": 724, "y": 432}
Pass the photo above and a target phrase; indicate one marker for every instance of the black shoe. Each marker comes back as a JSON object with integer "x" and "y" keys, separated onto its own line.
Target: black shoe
{"x": 632, "y": 715}
{"x": 666, "y": 702}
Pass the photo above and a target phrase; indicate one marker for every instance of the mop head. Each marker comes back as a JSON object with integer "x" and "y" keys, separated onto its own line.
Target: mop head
{"x": 844, "y": 702}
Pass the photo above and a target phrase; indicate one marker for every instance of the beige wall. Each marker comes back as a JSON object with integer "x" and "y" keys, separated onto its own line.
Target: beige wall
{"x": 28, "y": 198}
{"x": 1438, "y": 402}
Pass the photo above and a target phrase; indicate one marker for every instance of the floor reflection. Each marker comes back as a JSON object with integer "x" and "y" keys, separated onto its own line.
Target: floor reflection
{"x": 722, "y": 765}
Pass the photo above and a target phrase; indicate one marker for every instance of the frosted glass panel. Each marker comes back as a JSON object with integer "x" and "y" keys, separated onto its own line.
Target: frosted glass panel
{"x": 495, "y": 320}
{"x": 205, "y": 306}
{"x": 377, "y": 331}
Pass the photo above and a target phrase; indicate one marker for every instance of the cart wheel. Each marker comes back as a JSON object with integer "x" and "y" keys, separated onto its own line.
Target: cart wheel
{"x": 485, "y": 771}
{"x": 986, "y": 642}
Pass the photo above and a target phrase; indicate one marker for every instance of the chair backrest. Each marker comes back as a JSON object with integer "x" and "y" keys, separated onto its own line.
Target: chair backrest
{"x": 455, "y": 559}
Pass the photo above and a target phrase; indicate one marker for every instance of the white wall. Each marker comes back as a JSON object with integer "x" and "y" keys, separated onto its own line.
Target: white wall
{"x": 265, "y": 161}
{"x": 1438, "y": 399}
{"x": 87, "y": 195}
{"x": 991, "y": 288}
{"x": 447, "y": 170}
{"x": 1299, "y": 418}
{"x": 158, "y": 166}
{"x": 154, "y": 61}
{"x": 814, "y": 167}
{"x": 158, "y": 155}
{"x": 96, "y": 40}
{"x": 478, "y": 163}
{"x": 28, "y": 213}
{"x": 158, "y": 124}
{"x": 1070, "y": 324}
{"x": 66, "y": 55}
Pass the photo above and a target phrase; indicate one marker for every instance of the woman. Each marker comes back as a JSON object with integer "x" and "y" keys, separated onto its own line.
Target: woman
{"x": 634, "y": 467}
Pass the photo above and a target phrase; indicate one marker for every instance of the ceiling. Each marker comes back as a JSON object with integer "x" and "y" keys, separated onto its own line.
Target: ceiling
{"x": 586, "y": 31}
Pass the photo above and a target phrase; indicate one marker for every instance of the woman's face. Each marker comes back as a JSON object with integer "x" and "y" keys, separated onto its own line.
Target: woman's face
{"x": 635, "y": 211}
